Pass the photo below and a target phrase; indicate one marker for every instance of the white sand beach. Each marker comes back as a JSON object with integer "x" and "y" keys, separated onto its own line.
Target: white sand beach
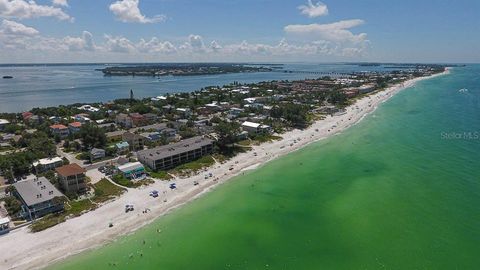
{"x": 21, "y": 249}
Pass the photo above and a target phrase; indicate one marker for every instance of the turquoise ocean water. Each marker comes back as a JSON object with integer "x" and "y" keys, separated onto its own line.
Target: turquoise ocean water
{"x": 400, "y": 190}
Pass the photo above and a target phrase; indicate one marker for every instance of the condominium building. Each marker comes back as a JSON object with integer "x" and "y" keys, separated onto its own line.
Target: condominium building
{"x": 72, "y": 178}
{"x": 169, "y": 156}
{"x": 38, "y": 197}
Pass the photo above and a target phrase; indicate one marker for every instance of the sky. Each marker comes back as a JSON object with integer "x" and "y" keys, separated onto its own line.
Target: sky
{"x": 51, "y": 31}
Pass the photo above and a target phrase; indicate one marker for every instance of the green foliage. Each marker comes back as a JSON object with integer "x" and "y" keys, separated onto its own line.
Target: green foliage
{"x": 141, "y": 108}
{"x": 194, "y": 166}
{"x": 295, "y": 114}
{"x": 158, "y": 175}
{"x": 227, "y": 134}
{"x": 13, "y": 205}
{"x": 47, "y": 221}
{"x": 13, "y": 128}
{"x": 92, "y": 137}
{"x": 186, "y": 132}
{"x": 72, "y": 209}
{"x": 16, "y": 164}
{"x": 263, "y": 138}
{"x": 121, "y": 180}
{"x": 40, "y": 144}
{"x": 83, "y": 156}
{"x": 105, "y": 190}
{"x": 338, "y": 98}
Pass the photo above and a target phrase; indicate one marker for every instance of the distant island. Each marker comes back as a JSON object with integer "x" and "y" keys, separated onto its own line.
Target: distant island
{"x": 190, "y": 69}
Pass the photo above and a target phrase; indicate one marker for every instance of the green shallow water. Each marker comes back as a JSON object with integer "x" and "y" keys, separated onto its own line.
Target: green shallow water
{"x": 389, "y": 193}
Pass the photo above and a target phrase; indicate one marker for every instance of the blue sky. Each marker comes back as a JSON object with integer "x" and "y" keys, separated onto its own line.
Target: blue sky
{"x": 239, "y": 30}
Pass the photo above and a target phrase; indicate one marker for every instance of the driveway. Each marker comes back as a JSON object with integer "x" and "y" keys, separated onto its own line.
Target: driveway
{"x": 95, "y": 175}
{"x": 70, "y": 157}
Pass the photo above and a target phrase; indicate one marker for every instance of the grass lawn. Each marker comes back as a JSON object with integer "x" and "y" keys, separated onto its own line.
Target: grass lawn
{"x": 121, "y": 180}
{"x": 316, "y": 117}
{"x": 105, "y": 190}
{"x": 83, "y": 156}
{"x": 194, "y": 166}
{"x": 162, "y": 175}
{"x": 265, "y": 138}
{"x": 221, "y": 158}
{"x": 72, "y": 209}
{"x": 245, "y": 143}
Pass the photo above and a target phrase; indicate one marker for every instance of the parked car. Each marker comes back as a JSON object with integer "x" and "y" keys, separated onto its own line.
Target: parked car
{"x": 129, "y": 207}
{"x": 154, "y": 193}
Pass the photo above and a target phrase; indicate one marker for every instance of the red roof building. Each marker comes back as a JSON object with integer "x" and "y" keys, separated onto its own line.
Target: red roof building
{"x": 27, "y": 115}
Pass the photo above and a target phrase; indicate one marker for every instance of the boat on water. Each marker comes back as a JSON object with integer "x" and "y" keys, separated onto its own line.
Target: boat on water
{"x": 463, "y": 90}
{"x": 7, "y": 77}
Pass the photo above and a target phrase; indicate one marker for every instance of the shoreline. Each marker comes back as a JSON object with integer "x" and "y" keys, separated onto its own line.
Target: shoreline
{"x": 90, "y": 231}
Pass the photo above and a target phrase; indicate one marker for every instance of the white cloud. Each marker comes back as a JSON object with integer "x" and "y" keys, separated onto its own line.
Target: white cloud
{"x": 63, "y": 3}
{"x": 215, "y": 46}
{"x": 118, "y": 48}
{"x": 314, "y": 10}
{"x": 22, "y": 9}
{"x": 128, "y": 11}
{"x": 83, "y": 43}
{"x": 155, "y": 46}
{"x": 336, "y": 32}
{"x": 119, "y": 44}
{"x": 12, "y": 28}
{"x": 16, "y": 36}
{"x": 193, "y": 45}
{"x": 196, "y": 41}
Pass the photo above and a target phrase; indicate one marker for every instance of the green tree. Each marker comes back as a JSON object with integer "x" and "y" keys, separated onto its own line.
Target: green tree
{"x": 227, "y": 134}
{"x": 141, "y": 108}
{"x": 186, "y": 132}
{"x": 92, "y": 137}
{"x": 39, "y": 144}
{"x": 295, "y": 114}
{"x": 338, "y": 98}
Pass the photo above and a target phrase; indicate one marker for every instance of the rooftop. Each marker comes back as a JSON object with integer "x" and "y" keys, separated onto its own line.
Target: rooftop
{"x": 114, "y": 133}
{"x": 131, "y": 136}
{"x": 75, "y": 124}
{"x": 70, "y": 170}
{"x": 130, "y": 166}
{"x": 151, "y": 127}
{"x": 58, "y": 127}
{"x": 251, "y": 124}
{"x": 35, "y": 191}
{"x": 175, "y": 148}
{"x": 97, "y": 150}
{"x": 122, "y": 145}
{"x": 47, "y": 161}
{"x": 4, "y": 220}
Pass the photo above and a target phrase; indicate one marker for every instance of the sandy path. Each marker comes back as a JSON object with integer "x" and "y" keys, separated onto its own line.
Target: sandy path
{"x": 23, "y": 250}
